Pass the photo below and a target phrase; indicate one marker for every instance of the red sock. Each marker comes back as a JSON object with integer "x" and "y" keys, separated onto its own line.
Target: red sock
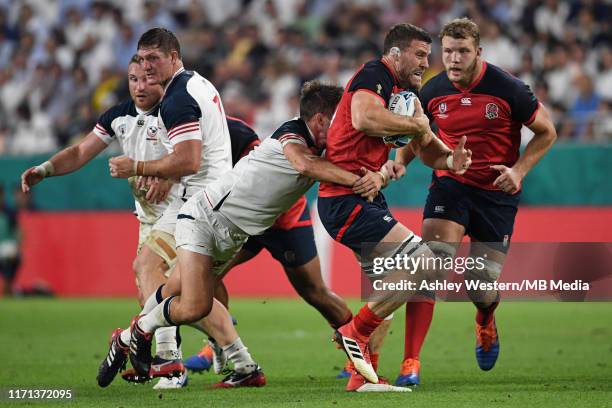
{"x": 365, "y": 322}
{"x": 374, "y": 360}
{"x": 485, "y": 316}
{"x": 344, "y": 321}
{"x": 418, "y": 319}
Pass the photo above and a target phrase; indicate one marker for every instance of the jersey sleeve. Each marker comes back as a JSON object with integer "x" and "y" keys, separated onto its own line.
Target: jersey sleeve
{"x": 181, "y": 116}
{"x": 103, "y": 128}
{"x": 524, "y": 103}
{"x": 375, "y": 80}
{"x": 287, "y": 138}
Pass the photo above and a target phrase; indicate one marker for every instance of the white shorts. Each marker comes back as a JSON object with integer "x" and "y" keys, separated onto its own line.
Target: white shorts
{"x": 167, "y": 222}
{"x": 200, "y": 229}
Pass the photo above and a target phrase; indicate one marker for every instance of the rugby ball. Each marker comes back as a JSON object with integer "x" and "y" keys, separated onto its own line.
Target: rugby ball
{"x": 402, "y": 103}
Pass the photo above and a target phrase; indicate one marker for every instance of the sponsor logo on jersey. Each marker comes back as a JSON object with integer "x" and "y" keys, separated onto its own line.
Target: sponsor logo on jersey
{"x": 439, "y": 209}
{"x": 491, "y": 111}
{"x": 466, "y": 101}
{"x": 378, "y": 88}
{"x": 121, "y": 131}
{"x": 140, "y": 122}
{"x": 387, "y": 218}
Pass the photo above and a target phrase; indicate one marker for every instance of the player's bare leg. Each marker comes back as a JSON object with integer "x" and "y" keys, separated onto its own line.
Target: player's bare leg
{"x": 487, "y": 339}
{"x": 149, "y": 269}
{"x": 307, "y": 281}
{"x": 443, "y": 237}
{"x": 355, "y": 335}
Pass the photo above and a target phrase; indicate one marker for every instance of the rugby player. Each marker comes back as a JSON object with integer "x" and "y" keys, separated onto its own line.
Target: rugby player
{"x": 290, "y": 241}
{"x": 355, "y": 141}
{"x": 193, "y": 129}
{"x": 133, "y": 124}
{"x": 214, "y": 223}
{"x": 481, "y": 101}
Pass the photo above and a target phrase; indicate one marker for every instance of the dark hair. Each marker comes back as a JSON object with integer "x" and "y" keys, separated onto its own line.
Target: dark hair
{"x": 461, "y": 28}
{"x": 134, "y": 60}
{"x": 160, "y": 38}
{"x": 401, "y": 35}
{"x": 317, "y": 97}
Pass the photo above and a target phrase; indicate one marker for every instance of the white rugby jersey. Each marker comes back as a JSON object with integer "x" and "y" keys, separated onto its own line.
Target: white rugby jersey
{"x": 139, "y": 137}
{"x": 191, "y": 109}
{"x": 263, "y": 184}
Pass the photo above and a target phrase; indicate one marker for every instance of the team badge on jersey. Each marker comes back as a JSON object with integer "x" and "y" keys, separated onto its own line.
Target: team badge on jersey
{"x": 491, "y": 111}
{"x": 152, "y": 134}
{"x": 442, "y": 108}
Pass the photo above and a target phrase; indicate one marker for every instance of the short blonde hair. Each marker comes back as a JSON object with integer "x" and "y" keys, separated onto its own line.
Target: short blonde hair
{"x": 462, "y": 28}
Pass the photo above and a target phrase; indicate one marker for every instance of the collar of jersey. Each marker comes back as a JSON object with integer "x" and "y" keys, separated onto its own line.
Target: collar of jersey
{"x": 141, "y": 112}
{"x": 476, "y": 81}
{"x": 177, "y": 73}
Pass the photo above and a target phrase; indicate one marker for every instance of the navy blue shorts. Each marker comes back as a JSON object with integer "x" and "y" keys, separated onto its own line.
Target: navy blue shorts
{"x": 294, "y": 247}
{"x": 351, "y": 220}
{"x": 488, "y": 216}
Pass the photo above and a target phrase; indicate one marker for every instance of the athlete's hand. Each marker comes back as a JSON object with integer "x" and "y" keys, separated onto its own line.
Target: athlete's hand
{"x": 29, "y": 178}
{"x": 121, "y": 167}
{"x": 158, "y": 189}
{"x": 420, "y": 119}
{"x": 462, "y": 157}
{"x": 509, "y": 181}
{"x": 393, "y": 170}
{"x": 369, "y": 184}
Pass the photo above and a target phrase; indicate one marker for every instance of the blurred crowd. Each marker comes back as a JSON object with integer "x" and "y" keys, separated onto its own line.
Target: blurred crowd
{"x": 63, "y": 62}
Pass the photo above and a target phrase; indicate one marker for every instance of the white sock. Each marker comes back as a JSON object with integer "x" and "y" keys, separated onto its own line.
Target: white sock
{"x": 149, "y": 305}
{"x": 165, "y": 343}
{"x": 239, "y": 355}
{"x": 155, "y": 318}
{"x": 152, "y": 301}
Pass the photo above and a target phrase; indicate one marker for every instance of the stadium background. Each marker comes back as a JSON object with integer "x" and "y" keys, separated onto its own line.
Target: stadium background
{"x": 62, "y": 63}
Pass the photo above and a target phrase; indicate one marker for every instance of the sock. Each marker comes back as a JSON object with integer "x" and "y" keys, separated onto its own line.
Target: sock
{"x": 374, "y": 360}
{"x": 365, "y": 322}
{"x": 418, "y": 319}
{"x": 166, "y": 345}
{"x": 153, "y": 300}
{"x": 158, "y": 317}
{"x": 344, "y": 321}
{"x": 124, "y": 337}
{"x": 239, "y": 355}
{"x": 485, "y": 316}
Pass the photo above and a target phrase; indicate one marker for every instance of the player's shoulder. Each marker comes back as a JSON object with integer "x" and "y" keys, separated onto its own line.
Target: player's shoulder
{"x": 294, "y": 127}
{"x": 438, "y": 85}
{"x": 374, "y": 70}
{"x": 125, "y": 108}
{"x": 497, "y": 79}
{"x": 240, "y": 128}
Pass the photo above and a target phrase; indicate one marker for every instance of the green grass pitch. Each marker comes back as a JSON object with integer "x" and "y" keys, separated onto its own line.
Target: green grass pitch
{"x": 552, "y": 354}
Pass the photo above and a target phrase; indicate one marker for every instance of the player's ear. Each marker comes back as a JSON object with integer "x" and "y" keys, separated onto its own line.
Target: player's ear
{"x": 479, "y": 52}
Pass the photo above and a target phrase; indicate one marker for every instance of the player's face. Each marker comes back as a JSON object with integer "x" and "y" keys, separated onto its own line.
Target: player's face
{"x": 320, "y": 132}
{"x": 144, "y": 94}
{"x": 460, "y": 57}
{"x": 412, "y": 63}
{"x": 158, "y": 65}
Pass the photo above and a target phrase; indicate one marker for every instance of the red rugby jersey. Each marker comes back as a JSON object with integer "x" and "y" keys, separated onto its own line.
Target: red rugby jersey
{"x": 490, "y": 112}
{"x": 348, "y": 147}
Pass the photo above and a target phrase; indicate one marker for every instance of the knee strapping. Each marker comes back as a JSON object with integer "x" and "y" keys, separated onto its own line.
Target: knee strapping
{"x": 489, "y": 272}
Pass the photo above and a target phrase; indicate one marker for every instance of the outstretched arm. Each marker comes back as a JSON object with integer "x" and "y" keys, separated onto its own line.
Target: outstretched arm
{"x": 66, "y": 161}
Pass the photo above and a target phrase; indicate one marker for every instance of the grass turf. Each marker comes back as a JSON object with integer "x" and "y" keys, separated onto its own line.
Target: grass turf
{"x": 552, "y": 354}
